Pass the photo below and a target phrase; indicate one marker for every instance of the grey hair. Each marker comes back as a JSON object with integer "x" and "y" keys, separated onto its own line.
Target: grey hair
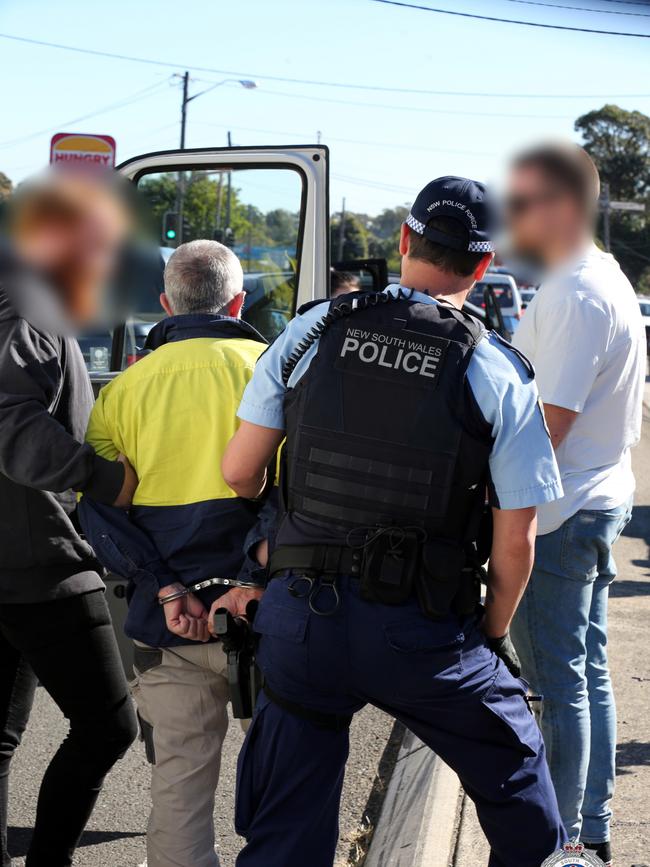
{"x": 202, "y": 277}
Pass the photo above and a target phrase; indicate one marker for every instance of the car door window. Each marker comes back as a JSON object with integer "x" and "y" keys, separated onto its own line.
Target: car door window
{"x": 256, "y": 211}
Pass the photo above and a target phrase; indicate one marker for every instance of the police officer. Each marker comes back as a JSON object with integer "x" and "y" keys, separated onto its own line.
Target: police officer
{"x": 399, "y": 412}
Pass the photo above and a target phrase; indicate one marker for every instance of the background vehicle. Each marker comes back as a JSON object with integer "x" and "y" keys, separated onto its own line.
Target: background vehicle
{"x": 269, "y": 301}
{"x": 527, "y": 296}
{"x": 505, "y": 290}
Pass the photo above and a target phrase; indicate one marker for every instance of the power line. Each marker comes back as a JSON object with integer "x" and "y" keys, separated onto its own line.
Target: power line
{"x": 364, "y": 142}
{"x": 417, "y": 109}
{"x": 135, "y": 97}
{"x": 312, "y": 82}
{"x": 364, "y": 182}
{"x": 627, "y": 2}
{"x": 581, "y": 8}
{"x": 510, "y": 20}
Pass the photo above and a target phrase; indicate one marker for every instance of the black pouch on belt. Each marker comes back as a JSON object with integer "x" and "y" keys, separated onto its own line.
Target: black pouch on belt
{"x": 390, "y": 565}
{"x": 440, "y": 577}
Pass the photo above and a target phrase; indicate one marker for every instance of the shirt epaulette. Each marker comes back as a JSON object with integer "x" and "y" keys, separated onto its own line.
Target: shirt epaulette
{"x": 530, "y": 370}
{"x": 309, "y": 304}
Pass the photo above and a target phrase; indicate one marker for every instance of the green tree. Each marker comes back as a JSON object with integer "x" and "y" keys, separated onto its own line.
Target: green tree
{"x": 6, "y": 187}
{"x": 205, "y": 207}
{"x": 355, "y": 237}
{"x": 386, "y": 224}
{"x": 282, "y": 226}
{"x": 619, "y": 143}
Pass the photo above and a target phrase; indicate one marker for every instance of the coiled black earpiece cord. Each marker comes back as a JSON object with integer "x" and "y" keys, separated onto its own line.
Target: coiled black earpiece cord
{"x": 334, "y": 314}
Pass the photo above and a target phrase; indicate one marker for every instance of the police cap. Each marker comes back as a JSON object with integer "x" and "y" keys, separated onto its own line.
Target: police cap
{"x": 462, "y": 199}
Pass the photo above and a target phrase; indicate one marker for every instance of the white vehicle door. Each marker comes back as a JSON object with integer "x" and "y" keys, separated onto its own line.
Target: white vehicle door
{"x": 269, "y": 204}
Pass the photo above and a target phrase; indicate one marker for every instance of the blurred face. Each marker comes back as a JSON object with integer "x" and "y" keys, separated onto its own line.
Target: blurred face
{"x": 77, "y": 244}
{"x": 539, "y": 214}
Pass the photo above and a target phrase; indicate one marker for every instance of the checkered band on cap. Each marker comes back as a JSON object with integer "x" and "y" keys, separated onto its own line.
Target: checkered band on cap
{"x": 480, "y": 247}
{"x": 416, "y": 225}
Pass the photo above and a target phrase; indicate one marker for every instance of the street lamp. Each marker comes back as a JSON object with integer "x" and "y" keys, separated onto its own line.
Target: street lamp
{"x": 246, "y": 83}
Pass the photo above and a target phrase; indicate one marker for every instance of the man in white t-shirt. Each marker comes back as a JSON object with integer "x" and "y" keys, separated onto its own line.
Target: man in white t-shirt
{"x": 584, "y": 335}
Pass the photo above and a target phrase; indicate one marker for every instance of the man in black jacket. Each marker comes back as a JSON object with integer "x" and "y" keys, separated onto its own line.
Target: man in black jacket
{"x": 54, "y": 622}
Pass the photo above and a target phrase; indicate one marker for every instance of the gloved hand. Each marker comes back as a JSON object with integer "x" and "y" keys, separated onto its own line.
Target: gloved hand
{"x": 505, "y": 650}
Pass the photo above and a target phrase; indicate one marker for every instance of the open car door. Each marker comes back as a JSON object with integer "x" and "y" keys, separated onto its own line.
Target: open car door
{"x": 269, "y": 204}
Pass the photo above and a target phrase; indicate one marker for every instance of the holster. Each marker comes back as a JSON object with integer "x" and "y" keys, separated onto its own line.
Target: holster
{"x": 244, "y": 677}
{"x": 447, "y": 582}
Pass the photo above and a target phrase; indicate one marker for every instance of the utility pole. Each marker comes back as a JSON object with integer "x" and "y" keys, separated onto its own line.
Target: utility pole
{"x": 342, "y": 231}
{"x": 247, "y": 84}
{"x": 186, "y": 99}
{"x": 219, "y": 200}
{"x": 606, "y": 205}
{"x": 180, "y": 193}
{"x": 229, "y": 192}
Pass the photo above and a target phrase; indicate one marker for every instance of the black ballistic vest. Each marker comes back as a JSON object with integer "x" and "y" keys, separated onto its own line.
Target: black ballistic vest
{"x": 383, "y": 430}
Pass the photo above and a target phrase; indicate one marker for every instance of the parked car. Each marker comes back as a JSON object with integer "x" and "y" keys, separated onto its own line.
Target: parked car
{"x": 527, "y": 296}
{"x": 505, "y": 290}
{"x": 96, "y": 347}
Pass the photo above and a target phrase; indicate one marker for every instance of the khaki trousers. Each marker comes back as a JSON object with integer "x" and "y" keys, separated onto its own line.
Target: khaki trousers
{"x": 182, "y": 695}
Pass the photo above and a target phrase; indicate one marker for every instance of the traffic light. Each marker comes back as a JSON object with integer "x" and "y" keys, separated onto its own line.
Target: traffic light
{"x": 224, "y": 236}
{"x": 170, "y": 227}
{"x": 186, "y": 229}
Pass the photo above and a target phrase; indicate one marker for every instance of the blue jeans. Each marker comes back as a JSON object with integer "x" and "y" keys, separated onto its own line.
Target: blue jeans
{"x": 560, "y": 632}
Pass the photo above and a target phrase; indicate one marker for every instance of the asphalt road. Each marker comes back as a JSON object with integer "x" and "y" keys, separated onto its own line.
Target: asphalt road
{"x": 115, "y": 834}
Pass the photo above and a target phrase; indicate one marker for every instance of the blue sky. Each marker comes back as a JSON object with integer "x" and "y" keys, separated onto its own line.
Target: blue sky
{"x": 384, "y": 146}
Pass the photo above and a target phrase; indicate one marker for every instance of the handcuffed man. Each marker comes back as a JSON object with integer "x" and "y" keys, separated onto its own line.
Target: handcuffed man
{"x": 172, "y": 414}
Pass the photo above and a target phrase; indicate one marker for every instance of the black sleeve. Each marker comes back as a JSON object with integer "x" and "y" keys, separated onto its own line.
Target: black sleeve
{"x": 35, "y": 450}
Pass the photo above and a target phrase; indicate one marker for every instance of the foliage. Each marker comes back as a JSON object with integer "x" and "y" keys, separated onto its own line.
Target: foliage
{"x": 355, "y": 238}
{"x": 5, "y": 186}
{"x": 619, "y": 143}
{"x": 205, "y": 209}
{"x": 205, "y": 203}
{"x": 643, "y": 285}
{"x": 387, "y": 224}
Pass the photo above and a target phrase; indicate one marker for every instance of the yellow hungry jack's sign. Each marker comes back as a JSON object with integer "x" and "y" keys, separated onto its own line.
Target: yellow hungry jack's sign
{"x": 91, "y": 150}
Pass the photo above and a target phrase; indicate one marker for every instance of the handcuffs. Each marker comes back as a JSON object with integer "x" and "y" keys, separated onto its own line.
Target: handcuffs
{"x": 208, "y": 582}
{"x": 311, "y": 591}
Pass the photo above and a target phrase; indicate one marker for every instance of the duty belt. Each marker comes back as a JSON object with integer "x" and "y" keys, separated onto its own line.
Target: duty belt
{"x": 449, "y": 584}
{"x": 320, "y": 559}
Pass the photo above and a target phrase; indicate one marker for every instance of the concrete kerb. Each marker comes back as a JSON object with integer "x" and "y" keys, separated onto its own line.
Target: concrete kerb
{"x": 417, "y": 822}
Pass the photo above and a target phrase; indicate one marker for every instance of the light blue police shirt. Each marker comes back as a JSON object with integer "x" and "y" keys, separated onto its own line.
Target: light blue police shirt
{"x": 522, "y": 463}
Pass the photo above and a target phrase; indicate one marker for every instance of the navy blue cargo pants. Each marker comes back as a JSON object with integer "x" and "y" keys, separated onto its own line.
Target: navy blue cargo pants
{"x": 439, "y": 678}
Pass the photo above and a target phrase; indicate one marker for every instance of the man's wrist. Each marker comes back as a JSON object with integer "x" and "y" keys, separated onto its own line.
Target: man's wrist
{"x": 168, "y": 589}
